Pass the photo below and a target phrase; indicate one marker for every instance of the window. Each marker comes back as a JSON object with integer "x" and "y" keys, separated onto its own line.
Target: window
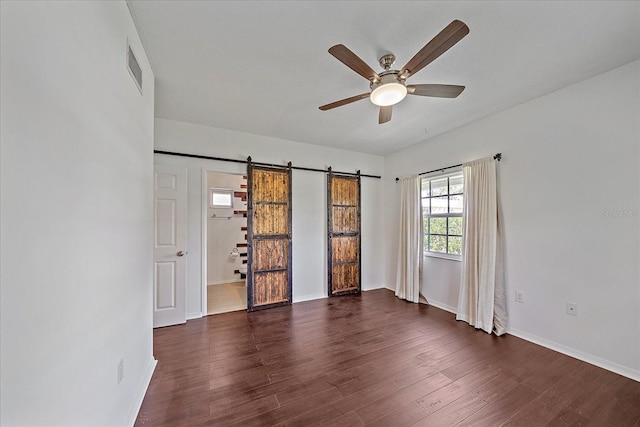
{"x": 221, "y": 198}
{"x": 442, "y": 198}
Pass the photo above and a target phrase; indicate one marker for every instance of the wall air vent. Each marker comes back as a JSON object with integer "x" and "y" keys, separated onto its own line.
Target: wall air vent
{"x": 134, "y": 67}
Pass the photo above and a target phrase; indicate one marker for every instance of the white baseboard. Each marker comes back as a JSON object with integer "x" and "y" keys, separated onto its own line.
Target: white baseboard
{"x": 374, "y": 287}
{"x": 577, "y": 354}
{"x": 225, "y": 282}
{"x": 309, "y": 298}
{"x": 443, "y": 306}
{"x": 194, "y": 315}
{"x": 144, "y": 385}
{"x": 324, "y": 296}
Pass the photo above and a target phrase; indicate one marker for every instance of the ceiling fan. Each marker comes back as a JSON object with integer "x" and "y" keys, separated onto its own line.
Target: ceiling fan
{"x": 389, "y": 87}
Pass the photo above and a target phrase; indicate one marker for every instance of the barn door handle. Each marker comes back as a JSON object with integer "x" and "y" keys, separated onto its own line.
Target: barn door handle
{"x": 181, "y": 253}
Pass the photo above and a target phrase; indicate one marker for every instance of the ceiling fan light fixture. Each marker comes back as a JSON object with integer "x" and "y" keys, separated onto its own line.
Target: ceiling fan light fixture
{"x": 389, "y": 87}
{"x": 389, "y": 91}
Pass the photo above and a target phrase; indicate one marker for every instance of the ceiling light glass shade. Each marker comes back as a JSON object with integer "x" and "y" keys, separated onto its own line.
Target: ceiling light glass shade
{"x": 388, "y": 94}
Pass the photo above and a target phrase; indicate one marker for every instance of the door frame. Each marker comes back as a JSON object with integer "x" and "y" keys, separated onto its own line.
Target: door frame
{"x": 204, "y": 241}
{"x": 204, "y": 218}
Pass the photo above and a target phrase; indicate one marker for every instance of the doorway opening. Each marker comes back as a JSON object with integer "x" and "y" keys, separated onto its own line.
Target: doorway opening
{"x": 226, "y": 242}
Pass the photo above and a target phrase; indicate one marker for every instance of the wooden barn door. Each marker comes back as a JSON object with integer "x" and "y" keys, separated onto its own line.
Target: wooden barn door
{"x": 269, "y": 237}
{"x": 343, "y": 217}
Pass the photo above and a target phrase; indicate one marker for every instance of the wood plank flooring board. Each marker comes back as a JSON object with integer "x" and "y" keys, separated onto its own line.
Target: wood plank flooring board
{"x": 304, "y": 390}
{"x": 339, "y": 377}
{"x": 406, "y": 414}
{"x": 374, "y": 360}
{"x": 330, "y": 412}
{"x": 413, "y": 375}
{"x": 618, "y": 412}
{"x": 471, "y": 364}
{"x": 169, "y": 390}
{"x": 231, "y": 397}
{"x": 355, "y": 386}
{"x": 227, "y": 354}
{"x": 502, "y": 408}
{"x": 370, "y": 393}
{"x": 295, "y": 409}
{"x": 240, "y": 381}
{"x": 443, "y": 346}
{"x": 567, "y": 418}
{"x": 453, "y": 413}
{"x": 323, "y": 363}
{"x": 238, "y": 413}
{"x": 547, "y": 406}
{"x": 378, "y": 408}
{"x": 434, "y": 401}
{"x": 495, "y": 388}
{"x": 350, "y": 419}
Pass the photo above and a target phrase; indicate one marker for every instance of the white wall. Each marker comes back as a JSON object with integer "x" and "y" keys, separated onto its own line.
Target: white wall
{"x": 76, "y": 168}
{"x": 224, "y": 234}
{"x": 309, "y": 199}
{"x": 570, "y": 188}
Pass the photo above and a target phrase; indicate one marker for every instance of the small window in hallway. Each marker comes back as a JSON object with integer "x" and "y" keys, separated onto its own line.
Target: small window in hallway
{"x": 221, "y": 198}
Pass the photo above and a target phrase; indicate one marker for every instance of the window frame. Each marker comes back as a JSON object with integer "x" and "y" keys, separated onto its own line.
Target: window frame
{"x": 221, "y": 191}
{"x": 447, "y": 215}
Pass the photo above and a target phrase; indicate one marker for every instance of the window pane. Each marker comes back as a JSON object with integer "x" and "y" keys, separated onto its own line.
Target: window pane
{"x": 455, "y": 184}
{"x": 455, "y": 203}
{"x": 438, "y": 243}
{"x": 455, "y": 225}
{"x": 426, "y": 204}
{"x": 425, "y": 188}
{"x": 439, "y": 187}
{"x": 442, "y": 197}
{"x": 221, "y": 198}
{"x": 455, "y": 245}
{"x": 439, "y": 205}
{"x": 438, "y": 225}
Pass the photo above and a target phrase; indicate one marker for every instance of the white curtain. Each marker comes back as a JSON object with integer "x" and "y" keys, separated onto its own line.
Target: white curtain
{"x": 482, "y": 298}
{"x": 410, "y": 241}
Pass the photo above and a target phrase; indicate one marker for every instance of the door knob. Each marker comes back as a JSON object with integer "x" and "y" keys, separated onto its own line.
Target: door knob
{"x": 181, "y": 253}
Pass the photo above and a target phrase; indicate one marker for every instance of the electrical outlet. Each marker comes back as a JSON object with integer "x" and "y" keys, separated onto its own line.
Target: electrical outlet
{"x": 572, "y": 309}
{"x": 519, "y": 296}
{"x": 120, "y": 371}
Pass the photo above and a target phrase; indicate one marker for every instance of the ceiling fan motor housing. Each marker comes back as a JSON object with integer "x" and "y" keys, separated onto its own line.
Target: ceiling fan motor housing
{"x": 389, "y": 90}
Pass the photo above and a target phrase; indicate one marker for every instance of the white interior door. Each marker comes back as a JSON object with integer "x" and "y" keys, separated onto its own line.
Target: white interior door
{"x": 170, "y": 240}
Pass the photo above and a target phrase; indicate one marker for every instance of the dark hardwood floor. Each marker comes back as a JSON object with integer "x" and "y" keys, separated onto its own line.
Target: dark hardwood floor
{"x": 371, "y": 359}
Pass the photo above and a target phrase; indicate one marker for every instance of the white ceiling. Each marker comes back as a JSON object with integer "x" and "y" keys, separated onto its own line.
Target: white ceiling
{"x": 263, "y": 68}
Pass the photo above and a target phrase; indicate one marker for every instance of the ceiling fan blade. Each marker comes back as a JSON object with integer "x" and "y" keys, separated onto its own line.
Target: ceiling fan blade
{"x": 452, "y": 34}
{"x": 351, "y": 60}
{"x": 438, "y": 91}
{"x": 385, "y": 114}
{"x": 344, "y": 101}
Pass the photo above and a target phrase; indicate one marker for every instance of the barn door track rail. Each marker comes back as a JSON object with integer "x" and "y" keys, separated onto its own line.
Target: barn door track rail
{"x": 223, "y": 159}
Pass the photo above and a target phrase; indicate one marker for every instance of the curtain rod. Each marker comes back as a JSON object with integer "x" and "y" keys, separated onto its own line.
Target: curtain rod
{"x": 223, "y": 159}
{"x": 497, "y": 157}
